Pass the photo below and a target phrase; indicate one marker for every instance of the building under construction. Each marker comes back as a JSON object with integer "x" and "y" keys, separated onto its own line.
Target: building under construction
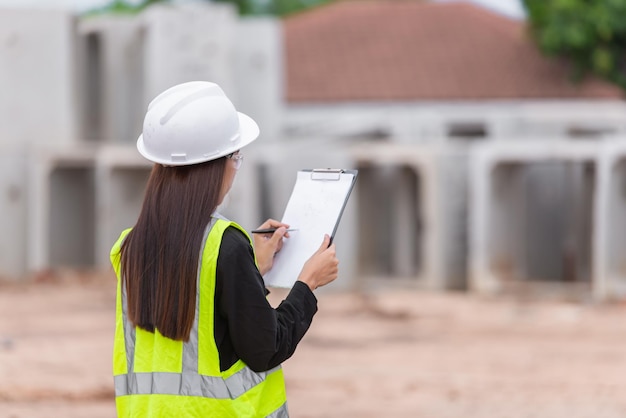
{"x": 480, "y": 165}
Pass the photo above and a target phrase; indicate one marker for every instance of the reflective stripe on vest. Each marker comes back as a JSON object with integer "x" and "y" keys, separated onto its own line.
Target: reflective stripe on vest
{"x": 228, "y": 386}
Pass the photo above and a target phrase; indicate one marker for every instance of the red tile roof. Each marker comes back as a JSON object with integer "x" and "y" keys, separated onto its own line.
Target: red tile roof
{"x": 406, "y": 50}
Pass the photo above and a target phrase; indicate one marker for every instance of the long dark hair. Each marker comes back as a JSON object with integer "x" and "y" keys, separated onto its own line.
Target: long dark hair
{"x": 159, "y": 257}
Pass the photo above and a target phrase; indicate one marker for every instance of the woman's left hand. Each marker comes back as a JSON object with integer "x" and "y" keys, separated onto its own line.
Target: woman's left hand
{"x": 267, "y": 245}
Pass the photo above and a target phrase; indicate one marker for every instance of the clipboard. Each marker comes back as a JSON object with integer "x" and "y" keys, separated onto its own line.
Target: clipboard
{"x": 317, "y": 202}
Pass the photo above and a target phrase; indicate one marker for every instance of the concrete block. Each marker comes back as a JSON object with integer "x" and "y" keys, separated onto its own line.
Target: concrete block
{"x": 61, "y": 209}
{"x": 407, "y": 196}
{"x": 37, "y": 77}
{"x": 258, "y": 71}
{"x": 111, "y": 59}
{"x": 572, "y": 119}
{"x": 531, "y": 213}
{"x": 188, "y": 42}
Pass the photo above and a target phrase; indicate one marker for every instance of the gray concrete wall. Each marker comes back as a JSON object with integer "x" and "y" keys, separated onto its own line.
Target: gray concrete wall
{"x": 37, "y": 77}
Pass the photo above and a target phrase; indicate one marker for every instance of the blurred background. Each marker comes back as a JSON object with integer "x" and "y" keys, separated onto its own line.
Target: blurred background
{"x": 489, "y": 136}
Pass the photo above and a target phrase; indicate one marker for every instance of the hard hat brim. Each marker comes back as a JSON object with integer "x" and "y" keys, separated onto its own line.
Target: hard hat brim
{"x": 248, "y": 132}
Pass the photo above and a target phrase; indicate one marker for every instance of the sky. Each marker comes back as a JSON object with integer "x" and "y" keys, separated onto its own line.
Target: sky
{"x": 511, "y": 8}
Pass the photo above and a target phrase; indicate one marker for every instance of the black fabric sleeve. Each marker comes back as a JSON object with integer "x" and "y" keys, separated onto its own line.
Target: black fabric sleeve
{"x": 246, "y": 325}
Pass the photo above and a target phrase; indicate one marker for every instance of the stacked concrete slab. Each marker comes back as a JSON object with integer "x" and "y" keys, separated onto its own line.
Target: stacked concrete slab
{"x": 74, "y": 95}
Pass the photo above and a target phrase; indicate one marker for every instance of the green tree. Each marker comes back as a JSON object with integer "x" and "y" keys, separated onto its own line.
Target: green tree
{"x": 590, "y": 34}
{"x": 245, "y": 7}
{"x": 122, "y": 7}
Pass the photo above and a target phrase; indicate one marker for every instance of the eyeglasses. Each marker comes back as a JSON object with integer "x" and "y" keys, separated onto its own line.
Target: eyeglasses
{"x": 237, "y": 157}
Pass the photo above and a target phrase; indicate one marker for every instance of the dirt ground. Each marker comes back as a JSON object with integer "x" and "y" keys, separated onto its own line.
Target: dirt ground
{"x": 393, "y": 353}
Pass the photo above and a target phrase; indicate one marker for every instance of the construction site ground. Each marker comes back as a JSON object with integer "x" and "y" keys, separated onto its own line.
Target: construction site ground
{"x": 378, "y": 353}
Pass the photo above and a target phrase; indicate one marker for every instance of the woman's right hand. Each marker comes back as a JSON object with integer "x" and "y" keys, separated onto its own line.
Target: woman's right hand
{"x": 322, "y": 268}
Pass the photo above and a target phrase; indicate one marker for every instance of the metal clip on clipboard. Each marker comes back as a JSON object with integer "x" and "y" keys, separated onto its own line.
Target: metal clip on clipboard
{"x": 326, "y": 173}
{"x": 333, "y": 174}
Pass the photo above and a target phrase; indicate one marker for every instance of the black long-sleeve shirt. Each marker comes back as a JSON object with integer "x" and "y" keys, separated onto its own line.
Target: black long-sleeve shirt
{"x": 246, "y": 325}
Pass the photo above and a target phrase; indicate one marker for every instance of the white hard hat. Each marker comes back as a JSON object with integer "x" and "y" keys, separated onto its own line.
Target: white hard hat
{"x": 191, "y": 123}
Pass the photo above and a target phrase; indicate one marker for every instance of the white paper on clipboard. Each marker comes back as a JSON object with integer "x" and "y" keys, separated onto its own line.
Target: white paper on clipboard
{"x": 314, "y": 209}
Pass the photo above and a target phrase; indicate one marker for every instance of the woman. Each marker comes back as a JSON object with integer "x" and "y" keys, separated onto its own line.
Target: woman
{"x": 195, "y": 335}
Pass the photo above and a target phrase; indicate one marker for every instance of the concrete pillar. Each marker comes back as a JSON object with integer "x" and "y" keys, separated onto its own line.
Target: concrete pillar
{"x": 609, "y": 268}
{"x": 13, "y": 200}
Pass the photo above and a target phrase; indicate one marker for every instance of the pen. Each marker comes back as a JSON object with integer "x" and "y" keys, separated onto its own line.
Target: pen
{"x": 269, "y": 231}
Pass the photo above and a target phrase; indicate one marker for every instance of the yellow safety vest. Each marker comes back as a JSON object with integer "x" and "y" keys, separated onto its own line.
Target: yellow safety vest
{"x": 156, "y": 376}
